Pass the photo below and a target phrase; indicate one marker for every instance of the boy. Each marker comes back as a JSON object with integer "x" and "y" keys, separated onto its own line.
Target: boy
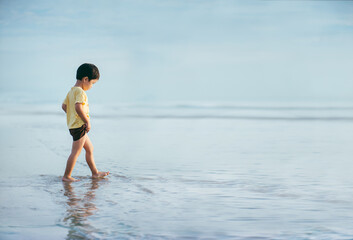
{"x": 75, "y": 106}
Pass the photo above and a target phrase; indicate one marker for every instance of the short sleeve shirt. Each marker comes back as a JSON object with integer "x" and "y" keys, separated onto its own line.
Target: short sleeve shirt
{"x": 75, "y": 95}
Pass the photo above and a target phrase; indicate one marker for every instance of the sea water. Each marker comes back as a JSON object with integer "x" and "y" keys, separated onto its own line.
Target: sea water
{"x": 181, "y": 171}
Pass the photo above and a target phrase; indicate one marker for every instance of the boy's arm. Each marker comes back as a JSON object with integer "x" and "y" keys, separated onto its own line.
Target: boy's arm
{"x": 83, "y": 116}
{"x": 64, "y": 107}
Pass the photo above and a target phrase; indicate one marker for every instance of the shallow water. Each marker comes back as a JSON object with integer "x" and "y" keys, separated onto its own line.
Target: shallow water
{"x": 180, "y": 172}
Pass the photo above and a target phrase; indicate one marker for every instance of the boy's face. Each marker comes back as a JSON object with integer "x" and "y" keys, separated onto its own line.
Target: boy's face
{"x": 86, "y": 84}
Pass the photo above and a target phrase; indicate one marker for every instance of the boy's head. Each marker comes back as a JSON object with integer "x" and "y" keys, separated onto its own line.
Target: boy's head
{"x": 87, "y": 70}
{"x": 88, "y": 74}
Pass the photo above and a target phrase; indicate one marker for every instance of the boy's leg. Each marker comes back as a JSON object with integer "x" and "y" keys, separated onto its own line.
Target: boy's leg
{"x": 88, "y": 146}
{"x": 71, "y": 161}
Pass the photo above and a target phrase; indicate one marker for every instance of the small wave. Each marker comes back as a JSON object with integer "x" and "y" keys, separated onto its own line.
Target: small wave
{"x": 267, "y": 108}
{"x": 275, "y": 112}
{"x": 230, "y": 117}
{"x": 245, "y": 106}
{"x": 207, "y": 116}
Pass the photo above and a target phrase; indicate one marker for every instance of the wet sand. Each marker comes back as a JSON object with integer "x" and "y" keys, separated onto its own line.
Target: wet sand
{"x": 176, "y": 178}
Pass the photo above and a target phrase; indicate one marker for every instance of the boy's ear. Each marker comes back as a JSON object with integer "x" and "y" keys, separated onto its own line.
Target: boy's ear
{"x": 85, "y": 79}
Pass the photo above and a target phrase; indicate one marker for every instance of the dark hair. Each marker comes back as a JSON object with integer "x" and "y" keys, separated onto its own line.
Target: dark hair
{"x": 87, "y": 70}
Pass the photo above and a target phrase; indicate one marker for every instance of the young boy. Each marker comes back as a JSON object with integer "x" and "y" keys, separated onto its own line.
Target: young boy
{"x": 75, "y": 106}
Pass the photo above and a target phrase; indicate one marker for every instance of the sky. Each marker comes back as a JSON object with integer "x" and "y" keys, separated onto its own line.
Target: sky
{"x": 178, "y": 51}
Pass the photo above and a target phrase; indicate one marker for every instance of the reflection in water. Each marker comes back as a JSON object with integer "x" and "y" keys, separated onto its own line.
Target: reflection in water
{"x": 79, "y": 208}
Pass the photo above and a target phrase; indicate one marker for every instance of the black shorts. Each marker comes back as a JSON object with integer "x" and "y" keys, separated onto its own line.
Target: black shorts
{"x": 78, "y": 133}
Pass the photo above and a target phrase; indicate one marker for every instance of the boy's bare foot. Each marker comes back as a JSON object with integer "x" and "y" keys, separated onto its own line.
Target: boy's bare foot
{"x": 69, "y": 179}
{"x": 100, "y": 175}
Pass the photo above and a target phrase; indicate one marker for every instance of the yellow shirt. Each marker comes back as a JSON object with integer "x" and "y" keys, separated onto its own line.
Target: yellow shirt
{"x": 75, "y": 95}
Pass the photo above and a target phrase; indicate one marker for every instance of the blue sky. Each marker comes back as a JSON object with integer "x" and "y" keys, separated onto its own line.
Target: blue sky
{"x": 161, "y": 51}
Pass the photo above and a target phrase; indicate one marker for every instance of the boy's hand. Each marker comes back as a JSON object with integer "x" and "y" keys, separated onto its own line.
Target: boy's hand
{"x": 63, "y": 106}
{"x": 88, "y": 126}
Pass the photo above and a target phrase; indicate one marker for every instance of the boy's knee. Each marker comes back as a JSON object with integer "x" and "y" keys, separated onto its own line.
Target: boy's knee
{"x": 75, "y": 153}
